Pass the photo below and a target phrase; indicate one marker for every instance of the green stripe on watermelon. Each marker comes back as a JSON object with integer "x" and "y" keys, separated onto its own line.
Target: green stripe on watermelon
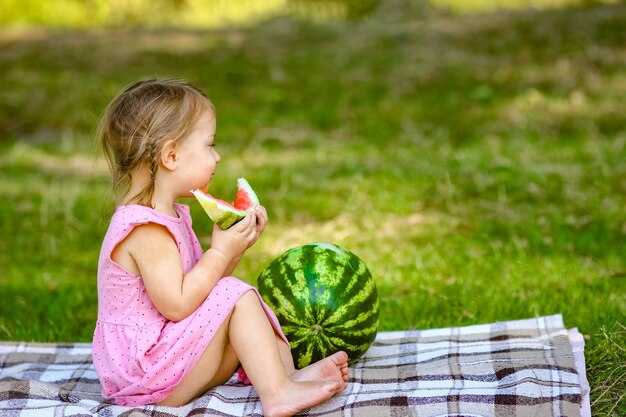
{"x": 286, "y": 295}
{"x": 324, "y": 273}
{"x": 325, "y": 299}
{"x": 290, "y": 311}
{"x": 366, "y": 295}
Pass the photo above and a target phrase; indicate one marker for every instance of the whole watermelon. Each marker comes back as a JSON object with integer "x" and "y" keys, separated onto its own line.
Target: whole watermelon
{"x": 325, "y": 299}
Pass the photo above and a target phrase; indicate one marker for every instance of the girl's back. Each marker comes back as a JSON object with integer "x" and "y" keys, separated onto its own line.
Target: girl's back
{"x": 123, "y": 297}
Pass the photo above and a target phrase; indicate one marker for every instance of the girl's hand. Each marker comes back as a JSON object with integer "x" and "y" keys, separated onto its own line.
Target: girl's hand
{"x": 234, "y": 241}
{"x": 261, "y": 221}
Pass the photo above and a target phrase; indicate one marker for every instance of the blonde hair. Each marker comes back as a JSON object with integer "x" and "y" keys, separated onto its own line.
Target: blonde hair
{"x": 139, "y": 120}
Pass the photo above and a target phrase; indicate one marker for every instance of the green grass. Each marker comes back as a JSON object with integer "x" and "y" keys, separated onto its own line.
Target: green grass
{"x": 476, "y": 163}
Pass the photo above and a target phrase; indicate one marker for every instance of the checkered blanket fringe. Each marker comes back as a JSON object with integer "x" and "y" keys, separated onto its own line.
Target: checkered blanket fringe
{"x": 515, "y": 368}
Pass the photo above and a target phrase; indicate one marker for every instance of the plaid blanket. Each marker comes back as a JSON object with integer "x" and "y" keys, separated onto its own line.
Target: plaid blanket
{"x": 515, "y": 368}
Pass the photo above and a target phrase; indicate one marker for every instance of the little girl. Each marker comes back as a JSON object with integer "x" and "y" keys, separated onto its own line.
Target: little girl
{"x": 171, "y": 322}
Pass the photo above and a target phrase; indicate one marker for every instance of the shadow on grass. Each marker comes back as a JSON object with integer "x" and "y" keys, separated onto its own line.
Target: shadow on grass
{"x": 555, "y": 73}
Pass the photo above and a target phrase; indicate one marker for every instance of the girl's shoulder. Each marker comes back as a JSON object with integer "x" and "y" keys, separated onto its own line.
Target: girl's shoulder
{"x": 134, "y": 214}
{"x": 127, "y": 218}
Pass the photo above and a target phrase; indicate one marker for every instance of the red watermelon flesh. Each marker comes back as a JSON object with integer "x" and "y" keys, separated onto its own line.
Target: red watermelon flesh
{"x": 246, "y": 199}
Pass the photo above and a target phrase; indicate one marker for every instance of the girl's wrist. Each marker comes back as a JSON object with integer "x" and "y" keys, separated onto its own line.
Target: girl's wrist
{"x": 220, "y": 253}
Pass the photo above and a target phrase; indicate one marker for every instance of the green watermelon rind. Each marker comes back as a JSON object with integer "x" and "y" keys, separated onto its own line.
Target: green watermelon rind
{"x": 285, "y": 288}
{"x": 220, "y": 212}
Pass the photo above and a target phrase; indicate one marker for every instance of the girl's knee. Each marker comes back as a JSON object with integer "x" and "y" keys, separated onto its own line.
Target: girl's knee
{"x": 232, "y": 281}
{"x": 250, "y": 298}
{"x": 249, "y": 303}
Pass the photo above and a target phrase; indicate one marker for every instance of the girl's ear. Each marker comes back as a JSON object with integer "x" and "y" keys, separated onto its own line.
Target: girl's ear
{"x": 169, "y": 156}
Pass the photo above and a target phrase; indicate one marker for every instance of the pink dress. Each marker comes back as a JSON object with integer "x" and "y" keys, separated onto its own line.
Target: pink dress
{"x": 139, "y": 355}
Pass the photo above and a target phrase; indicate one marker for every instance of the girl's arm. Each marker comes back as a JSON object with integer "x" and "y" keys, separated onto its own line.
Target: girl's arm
{"x": 231, "y": 267}
{"x": 152, "y": 252}
{"x": 261, "y": 222}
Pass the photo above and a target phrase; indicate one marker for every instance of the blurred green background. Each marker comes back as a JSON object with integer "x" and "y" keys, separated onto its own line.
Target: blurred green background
{"x": 472, "y": 153}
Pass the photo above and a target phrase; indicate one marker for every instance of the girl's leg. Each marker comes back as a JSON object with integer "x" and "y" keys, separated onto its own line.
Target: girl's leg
{"x": 247, "y": 335}
{"x": 254, "y": 341}
{"x": 285, "y": 355}
{"x": 331, "y": 368}
{"x": 215, "y": 366}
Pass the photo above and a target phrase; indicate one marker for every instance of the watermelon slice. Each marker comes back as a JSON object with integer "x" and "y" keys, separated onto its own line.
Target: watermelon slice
{"x": 224, "y": 214}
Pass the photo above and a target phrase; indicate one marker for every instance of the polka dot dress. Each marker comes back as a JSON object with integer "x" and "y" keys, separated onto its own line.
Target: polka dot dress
{"x": 139, "y": 355}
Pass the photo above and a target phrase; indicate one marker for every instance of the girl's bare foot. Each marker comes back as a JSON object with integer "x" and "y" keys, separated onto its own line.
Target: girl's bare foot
{"x": 331, "y": 368}
{"x": 298, "y": 396}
